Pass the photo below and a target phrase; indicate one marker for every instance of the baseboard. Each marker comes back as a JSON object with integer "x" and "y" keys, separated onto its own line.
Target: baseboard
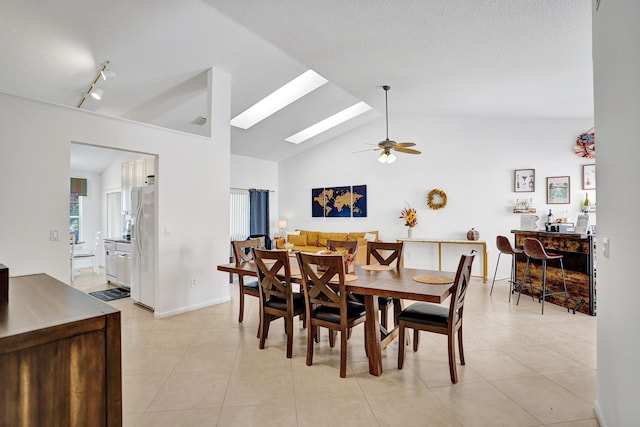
{"x": 598, "y": 412}
{"x": 203, "y": 304}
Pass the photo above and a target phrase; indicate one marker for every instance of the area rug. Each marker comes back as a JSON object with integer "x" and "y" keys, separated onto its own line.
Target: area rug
{"x": 111, "y": 294}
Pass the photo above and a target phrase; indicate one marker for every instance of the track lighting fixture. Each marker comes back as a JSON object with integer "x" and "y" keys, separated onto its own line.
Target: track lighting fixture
{"x": 96, "y": 93}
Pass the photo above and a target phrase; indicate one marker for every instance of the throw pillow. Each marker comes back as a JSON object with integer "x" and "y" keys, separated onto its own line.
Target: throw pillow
{"x": 369, "y": 237}
{"x": 298, "y": 240}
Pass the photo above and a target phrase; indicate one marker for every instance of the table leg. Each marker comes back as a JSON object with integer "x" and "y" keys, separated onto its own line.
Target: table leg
{"x": 372, "y": 335}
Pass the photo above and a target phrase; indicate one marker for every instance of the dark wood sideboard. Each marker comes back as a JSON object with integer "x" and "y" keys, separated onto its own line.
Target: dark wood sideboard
{"x": 60, "y": 356}
{"x": 579, "y": 264}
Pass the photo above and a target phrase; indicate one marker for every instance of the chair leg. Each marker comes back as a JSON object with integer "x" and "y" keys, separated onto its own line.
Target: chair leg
{"x": 311, "y": 333}
{"x": 263, "y": 330}
{"x": 401, "y": 332}
{"x": 288, "y": 321}
{"x": 384, "y": 316}
{"x": 460, "y": 348}
{"x": 332, "y": 337}
{"x": 452, "y": 358}
{"x": 343, "y": 354}
{"x": 416, "y": 335}
{"x": 494, "y": 273}
{"x": 524, "y": 275}
{"x": 240, "y": 285}
{"x": 544, "y": 284}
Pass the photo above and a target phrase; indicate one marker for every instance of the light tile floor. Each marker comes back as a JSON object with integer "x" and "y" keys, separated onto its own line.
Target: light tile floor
{"x": 203, "y": 368}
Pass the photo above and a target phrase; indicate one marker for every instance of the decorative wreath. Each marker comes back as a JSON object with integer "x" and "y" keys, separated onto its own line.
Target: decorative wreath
{"x": 437, "y": 199}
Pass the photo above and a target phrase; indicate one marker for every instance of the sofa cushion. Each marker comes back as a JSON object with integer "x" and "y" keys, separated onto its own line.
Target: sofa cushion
{"x": 360, "y": 237}
{"x": 323, "y": 237}
{"x": 300, "y": 240}
{"x": 312, "y": 237}
{"x": 280, "y": 243}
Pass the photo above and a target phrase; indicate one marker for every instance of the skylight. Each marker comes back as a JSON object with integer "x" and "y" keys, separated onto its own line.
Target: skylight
{"x": 326, "y": 124}
{"x": 290, "y": 92}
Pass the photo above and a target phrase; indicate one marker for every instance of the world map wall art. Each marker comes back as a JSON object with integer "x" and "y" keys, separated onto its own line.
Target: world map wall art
{"x": 339, "y": 202}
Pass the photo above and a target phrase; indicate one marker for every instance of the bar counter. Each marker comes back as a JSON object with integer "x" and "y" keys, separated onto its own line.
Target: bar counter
{"x": 578, "y": 251}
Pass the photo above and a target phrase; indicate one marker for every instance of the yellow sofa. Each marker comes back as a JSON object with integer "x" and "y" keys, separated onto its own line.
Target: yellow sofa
{"x": 314, "y": 241}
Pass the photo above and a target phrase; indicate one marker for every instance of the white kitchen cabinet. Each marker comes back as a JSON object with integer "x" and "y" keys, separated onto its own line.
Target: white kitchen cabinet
{"x": 110, "y": 261}
{"x": 134, "y": 174}
{"x": 127, "y": 184}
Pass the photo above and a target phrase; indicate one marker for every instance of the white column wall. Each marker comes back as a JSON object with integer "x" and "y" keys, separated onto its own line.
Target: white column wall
{"x": 616, "y": 56}
{"x": 193, "y": 187}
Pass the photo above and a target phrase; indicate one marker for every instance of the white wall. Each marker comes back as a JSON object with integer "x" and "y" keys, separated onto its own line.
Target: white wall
{"x": 248, "y": 172}
{"x": 193, "y": 193}
{"x": 472, "y": 160}
{"x": 617, "y": 93}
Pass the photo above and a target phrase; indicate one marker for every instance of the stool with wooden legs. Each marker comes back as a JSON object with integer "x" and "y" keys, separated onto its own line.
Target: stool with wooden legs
{"x": 504, "y": 246}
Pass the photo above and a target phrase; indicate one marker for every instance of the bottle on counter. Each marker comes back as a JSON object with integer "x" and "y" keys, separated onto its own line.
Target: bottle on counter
{"x": 550, "y": 220}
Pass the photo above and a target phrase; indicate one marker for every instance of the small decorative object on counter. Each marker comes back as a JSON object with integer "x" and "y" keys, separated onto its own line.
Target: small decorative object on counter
{"x": 473, "y": 234}
{"x": 586, "y": 205}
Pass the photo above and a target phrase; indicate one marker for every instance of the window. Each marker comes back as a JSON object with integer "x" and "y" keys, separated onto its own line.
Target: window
{"x": 75, "y": 216}
{"x": 239, "y": 214}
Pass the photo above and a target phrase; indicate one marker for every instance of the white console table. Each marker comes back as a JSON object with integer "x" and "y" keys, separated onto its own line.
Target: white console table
{"x": 441, "y": 242}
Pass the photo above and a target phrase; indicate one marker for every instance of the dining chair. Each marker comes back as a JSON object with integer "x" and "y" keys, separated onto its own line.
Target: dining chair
{"x": 349, "y": 247}
{"x": 276, "y": 297}
{"x": 327, "y": 304}
{"x": 242, "y": 253}
{"x": 386, "y": 253}
{"x": 91, "y": 255}
{"x": 422, "y": 316}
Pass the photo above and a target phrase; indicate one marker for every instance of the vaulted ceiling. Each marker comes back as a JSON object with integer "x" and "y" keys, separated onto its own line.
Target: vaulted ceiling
{"x": 509, "y": 58}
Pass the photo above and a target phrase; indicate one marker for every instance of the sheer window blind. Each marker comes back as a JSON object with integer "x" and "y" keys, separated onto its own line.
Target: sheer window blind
{"x": 239, "y": 214}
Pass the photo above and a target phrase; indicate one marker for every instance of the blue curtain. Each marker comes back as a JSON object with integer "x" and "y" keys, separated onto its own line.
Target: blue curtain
{"x": 259, "y": 211}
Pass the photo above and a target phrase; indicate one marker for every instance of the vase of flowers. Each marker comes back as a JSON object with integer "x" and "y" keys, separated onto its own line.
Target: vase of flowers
{"x": 410, "y": 217}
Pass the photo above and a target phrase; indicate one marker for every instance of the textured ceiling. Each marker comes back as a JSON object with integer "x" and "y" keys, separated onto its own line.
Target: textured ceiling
{"x": 511, "y": 58}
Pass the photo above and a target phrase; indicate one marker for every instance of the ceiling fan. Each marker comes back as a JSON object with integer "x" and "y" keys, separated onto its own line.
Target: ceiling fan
{"x": 387, "y": 145}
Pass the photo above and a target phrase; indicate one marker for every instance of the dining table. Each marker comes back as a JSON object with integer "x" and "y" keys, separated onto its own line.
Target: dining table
{"x": 374, "y": 282}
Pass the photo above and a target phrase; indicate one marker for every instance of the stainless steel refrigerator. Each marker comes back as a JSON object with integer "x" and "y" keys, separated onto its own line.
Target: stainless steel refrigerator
{"x": 143, "y": 245}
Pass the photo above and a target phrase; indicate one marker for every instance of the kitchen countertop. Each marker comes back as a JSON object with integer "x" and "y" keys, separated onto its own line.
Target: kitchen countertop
{"x": 117, "y": 240}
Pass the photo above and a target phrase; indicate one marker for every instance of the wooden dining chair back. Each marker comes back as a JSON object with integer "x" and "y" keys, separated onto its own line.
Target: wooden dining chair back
{"x": 276, "y": 297}
{"x": 385, "y": 253}
{"x": 349, "y": 248}
{"x": 439, "y": 319}
{"x": 327, "y": 305}
{"x": 242, "y": 253}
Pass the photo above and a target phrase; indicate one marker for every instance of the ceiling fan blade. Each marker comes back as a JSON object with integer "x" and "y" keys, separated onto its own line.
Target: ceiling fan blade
{"x": 405, "y": 144}
{"x": 368, "y": 149}
{"x": 406, "y": 150}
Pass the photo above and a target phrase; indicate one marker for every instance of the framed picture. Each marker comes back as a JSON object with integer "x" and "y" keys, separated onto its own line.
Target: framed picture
{"x": 524, "y": 180}
{"x": 558, "y": 190}
{"x": 588, "y": 177}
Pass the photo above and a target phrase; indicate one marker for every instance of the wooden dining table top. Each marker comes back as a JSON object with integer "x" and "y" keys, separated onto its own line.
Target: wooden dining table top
{"x": 389, "y": 283}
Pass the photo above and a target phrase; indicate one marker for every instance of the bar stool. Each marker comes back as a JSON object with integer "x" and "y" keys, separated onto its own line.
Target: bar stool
{"x": 533, "y": 249}
{"x": 504, "y": 246}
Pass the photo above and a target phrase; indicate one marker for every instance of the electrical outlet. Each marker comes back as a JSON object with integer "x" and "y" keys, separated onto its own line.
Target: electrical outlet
{"x": 54, "y": 235}
{"x": 193, "y": 282}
